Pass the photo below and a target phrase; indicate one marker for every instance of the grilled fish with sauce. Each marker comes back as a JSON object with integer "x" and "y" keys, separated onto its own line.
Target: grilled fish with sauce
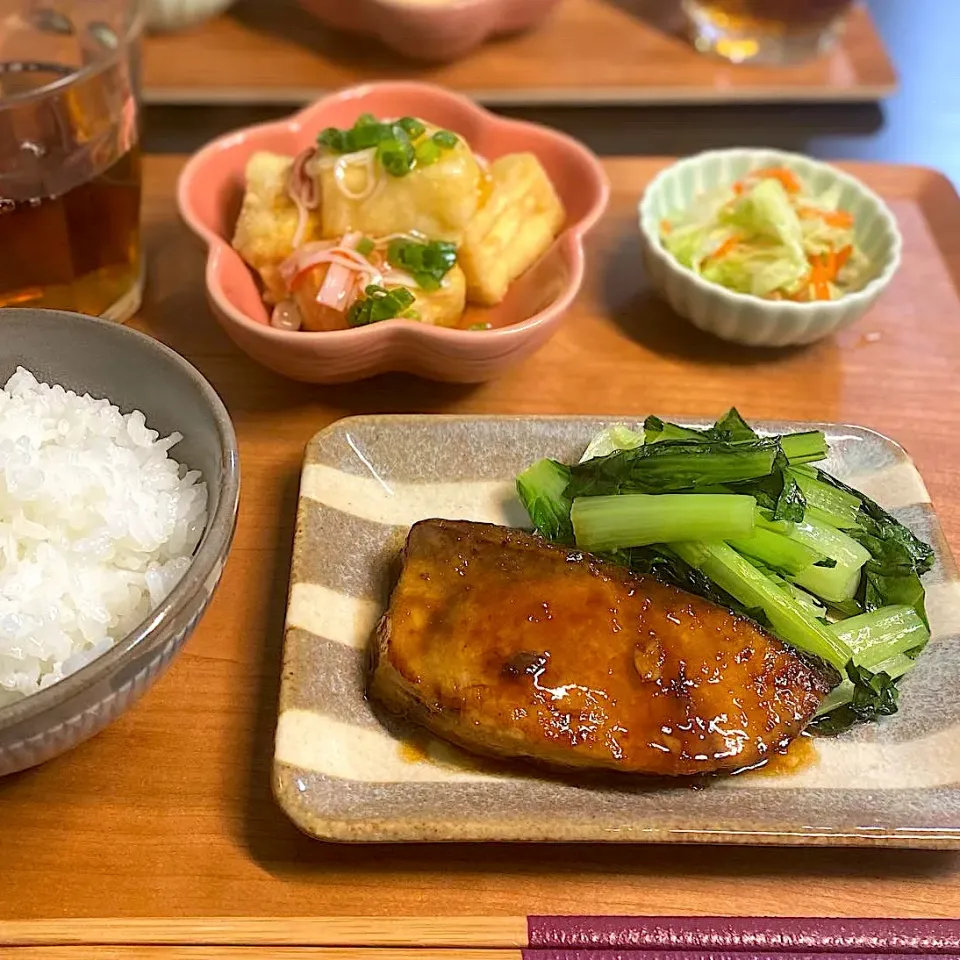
{"x": 513, "y": 647}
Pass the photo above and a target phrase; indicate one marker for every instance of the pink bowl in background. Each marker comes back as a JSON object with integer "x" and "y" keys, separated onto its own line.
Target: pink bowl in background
{"x": 211, "y": 187}
{"x": 438, "y": 32}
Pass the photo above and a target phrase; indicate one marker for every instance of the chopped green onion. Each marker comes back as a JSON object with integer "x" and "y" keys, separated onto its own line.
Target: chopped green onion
{"x": 445, "y": 139}
{"x": 480, "y": 326}
{"x": 396, "y": 154}
{"x": 379, "y": 304}
{"x": 413, "y": 127}
{"x": 366, "y": 120}
{"x": 365, "y": 246}
{"x": 639, "y": 519}
{"x": 427, "y": 263}
{"x": 427, "y": 153}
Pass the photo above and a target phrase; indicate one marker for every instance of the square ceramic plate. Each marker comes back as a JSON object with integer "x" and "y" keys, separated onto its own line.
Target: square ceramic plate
{"x": 340, "y": 774}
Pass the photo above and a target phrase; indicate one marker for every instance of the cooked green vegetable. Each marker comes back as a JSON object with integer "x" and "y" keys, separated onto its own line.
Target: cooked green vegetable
{"x": 882, "y": 634}
{"x": 806, "y": 547}
{"x": 777, "y": 551}
{"x": 836, "y": 583}
{"x": 786, "y": 615}
{"x": 378, "y": 304}
{"x": 638, "y": 519}
{"x": 673, "y": 466}
{"x": 541, "y": 489}
{"x": 427, "y": 263}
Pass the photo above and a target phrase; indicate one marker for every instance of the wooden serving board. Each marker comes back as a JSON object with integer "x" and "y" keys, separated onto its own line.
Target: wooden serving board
{"x": 168, "y": 813}
{"x": 588, "y": 52}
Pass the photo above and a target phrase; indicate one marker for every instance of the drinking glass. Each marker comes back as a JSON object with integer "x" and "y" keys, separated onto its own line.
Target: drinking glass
{"x": 765, "y": 31}
{"x": 70, "y": 156}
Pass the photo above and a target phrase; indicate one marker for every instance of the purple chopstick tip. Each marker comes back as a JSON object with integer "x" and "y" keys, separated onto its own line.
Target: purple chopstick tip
{"x": 743, "y": 938}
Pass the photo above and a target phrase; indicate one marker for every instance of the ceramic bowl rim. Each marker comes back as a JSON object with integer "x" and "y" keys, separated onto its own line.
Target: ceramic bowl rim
{"x": 211, "y": 551}
{"x": 863, "y": 297}
{"x": 570, "y": 240}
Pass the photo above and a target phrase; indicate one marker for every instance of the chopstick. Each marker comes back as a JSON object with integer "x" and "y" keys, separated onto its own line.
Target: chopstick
{"x": 478, "y": 938}
{"x": 262, "y": 952}
{"x": 327, "y": 932}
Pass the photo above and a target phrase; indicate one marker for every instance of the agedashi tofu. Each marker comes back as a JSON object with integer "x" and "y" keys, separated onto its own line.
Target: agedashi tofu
{"x": 267, "y": 225}
{"x": 515, "y": 227}
{"x": 437, "y": 201}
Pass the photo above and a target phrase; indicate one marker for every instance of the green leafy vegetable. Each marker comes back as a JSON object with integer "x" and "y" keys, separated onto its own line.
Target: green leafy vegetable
{"x": 638, "y": 519}
{"x": 427, "y": 263}
{"x": 378, "y": 304}
{"x": 611, "y": 439}
{"x": 666, "y": 502}
{"x": 365, "y": 246}
{"x": 872, "y": 695}
{"x": 541, "y": 490}
{"x": 673, "y": 466}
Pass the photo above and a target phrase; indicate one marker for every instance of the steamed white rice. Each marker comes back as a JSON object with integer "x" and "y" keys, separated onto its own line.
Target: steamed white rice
{"x": 97, "y": 525}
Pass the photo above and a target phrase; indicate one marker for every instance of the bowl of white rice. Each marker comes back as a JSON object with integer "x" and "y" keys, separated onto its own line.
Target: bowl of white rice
{"x": 119, "y": 485}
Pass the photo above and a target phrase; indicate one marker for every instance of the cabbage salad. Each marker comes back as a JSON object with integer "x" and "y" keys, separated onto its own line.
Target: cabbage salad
{"x": 769, "y": 236}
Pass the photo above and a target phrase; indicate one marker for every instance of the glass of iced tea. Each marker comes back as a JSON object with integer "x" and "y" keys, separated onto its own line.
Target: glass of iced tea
{"x": 70, "y": 156}
{"x": 765, "y": 31}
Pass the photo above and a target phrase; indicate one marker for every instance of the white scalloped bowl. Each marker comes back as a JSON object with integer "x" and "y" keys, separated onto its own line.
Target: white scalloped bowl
{"x": 744, "y": 318}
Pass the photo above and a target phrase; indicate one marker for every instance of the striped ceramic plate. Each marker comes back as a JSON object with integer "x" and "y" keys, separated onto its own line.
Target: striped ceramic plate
{"x": 341, "y": 774}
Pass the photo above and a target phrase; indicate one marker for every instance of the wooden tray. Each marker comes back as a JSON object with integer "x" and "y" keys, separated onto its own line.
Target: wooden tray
{"x": 589, "y": 52}
{"x": 169, "y": 812}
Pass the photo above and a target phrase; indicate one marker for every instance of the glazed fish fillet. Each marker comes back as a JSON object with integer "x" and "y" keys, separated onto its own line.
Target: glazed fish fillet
{"x": 512, "y": 647}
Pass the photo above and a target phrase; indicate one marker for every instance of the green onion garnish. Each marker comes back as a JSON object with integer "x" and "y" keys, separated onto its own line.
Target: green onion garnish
{"x": 445, "y": 139}
{"x": 400, "y": 146}
{"x": 365, "y": 246}
{"x": 427, "y": 263}
{"x": 427, "y": 153}
{"x": 414, "y": 128}
{"x": 480, "y": 326}
{"x": 379, "y": 304}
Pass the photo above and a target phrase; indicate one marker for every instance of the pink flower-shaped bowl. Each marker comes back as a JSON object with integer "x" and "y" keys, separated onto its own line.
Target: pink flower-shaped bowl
{"x": 209, "y": 194}
{"x": 439, "y": 32}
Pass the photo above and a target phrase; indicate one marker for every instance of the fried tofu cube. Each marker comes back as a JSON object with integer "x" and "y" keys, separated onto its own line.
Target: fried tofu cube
{"x": 522, "y": 216}
{"x": 438, "y": 200}
{"x": 267, "y": 225}
{"x": 443, "y": 307}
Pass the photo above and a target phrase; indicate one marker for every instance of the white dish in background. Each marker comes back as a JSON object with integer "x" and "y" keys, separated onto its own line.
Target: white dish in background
{"x": 741, "y": 317}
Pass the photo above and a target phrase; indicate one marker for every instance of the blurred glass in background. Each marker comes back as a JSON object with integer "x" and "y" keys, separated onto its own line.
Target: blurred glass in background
{"x": 765, "y": 31}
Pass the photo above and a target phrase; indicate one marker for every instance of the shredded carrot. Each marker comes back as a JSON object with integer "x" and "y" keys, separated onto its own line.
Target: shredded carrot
{"x": 739, "y": 188}
{"x": 833, "y": 218}
{"x": 837, "y": 218}
{"x": 786, "y": 177}
{"x": 724, "y": 248}
{"x": 665, "y": 226}
{"x": 843, "y": 255}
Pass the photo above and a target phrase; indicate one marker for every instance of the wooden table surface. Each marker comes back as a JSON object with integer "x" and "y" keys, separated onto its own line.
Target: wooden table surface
{"x": 169, "y": 812}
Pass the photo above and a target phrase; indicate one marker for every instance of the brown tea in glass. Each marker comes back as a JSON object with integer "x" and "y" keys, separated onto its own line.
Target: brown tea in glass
{"x": 70, "y": 156}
